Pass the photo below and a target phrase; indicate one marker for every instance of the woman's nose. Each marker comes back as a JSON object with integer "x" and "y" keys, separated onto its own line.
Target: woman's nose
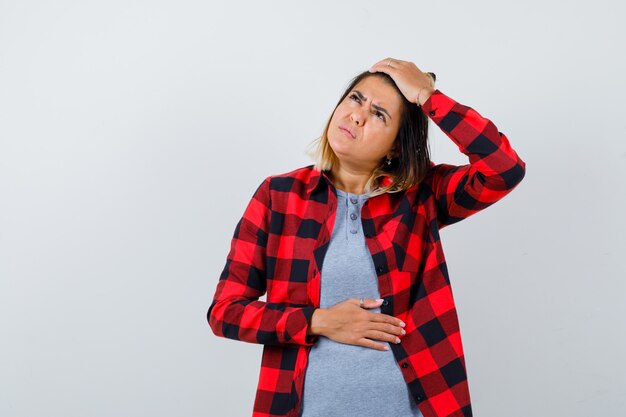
{"x": 357, "y": 118}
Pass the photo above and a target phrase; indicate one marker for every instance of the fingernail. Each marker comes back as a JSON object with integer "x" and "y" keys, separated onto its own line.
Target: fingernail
{"x": 397, "y": 340}
{"x": 403, "y": 331}
{"x": 386, "y": 347}
{"x": 379, "y": 300}
{"x": 402, "y": 324}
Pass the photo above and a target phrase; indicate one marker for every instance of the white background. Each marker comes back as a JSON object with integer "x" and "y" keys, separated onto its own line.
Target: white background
{"x": 133, "y": 133}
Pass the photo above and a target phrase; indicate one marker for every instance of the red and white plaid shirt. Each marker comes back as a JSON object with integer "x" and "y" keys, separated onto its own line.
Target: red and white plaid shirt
{"x": 279, "y": 245}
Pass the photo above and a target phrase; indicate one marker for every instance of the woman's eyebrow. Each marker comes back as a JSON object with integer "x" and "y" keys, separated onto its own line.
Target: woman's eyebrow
{"x": 363, "y": 98}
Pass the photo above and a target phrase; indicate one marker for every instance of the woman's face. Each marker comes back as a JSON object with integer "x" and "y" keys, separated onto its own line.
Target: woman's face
{"x": 364, "y": 126}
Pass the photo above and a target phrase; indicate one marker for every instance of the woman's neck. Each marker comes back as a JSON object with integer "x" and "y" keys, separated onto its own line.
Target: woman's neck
{"x": 349, "y": 180}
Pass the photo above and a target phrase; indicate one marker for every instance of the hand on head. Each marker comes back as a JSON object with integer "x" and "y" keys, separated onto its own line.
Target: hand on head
{"x": 414, "y": 84}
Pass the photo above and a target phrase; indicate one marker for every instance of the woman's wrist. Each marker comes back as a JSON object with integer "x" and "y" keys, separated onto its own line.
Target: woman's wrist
{"x": 424, "y": 94}
{"x": 316, "y": 328}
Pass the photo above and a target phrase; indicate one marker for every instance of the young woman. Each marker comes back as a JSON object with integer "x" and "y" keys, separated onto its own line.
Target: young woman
{"x": 360, "y": 319}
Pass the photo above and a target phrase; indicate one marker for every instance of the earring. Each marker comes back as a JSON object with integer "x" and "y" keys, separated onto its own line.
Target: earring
{"x": 388, "y": 161}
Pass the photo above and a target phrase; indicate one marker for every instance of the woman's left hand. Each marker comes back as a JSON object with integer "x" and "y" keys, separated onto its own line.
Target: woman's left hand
{"x": 415, "y": 85}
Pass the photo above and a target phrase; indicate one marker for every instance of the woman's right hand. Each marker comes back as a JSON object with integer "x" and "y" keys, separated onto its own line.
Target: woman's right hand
{"x": 347, "y": 322}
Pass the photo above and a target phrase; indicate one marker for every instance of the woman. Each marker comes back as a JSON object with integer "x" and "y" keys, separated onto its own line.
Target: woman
{"x": 360, "y": 317}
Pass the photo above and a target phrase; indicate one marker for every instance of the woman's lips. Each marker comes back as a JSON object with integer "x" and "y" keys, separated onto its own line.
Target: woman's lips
{"x": 346, "y": 132}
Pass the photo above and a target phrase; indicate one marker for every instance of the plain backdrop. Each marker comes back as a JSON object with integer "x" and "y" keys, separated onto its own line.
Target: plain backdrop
{"x": 133, "y": 134}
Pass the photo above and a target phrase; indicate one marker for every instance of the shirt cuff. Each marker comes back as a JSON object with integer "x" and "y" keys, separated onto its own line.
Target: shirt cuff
{"x": 437, "y": 105}
{"x": 300, "y": 337}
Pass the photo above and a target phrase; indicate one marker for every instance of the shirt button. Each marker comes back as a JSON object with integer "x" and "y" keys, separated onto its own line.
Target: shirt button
{"x": 419, "y": 398}
{"x": 354, "y": 200}
{"x": 353, "y": 231}
{"x": 379, "y": 268}
{"x": 432, "y": 112}
{"x": 405, "y": 365}
{"x": 385, "y": 302}
{"x": 353, "y": 216}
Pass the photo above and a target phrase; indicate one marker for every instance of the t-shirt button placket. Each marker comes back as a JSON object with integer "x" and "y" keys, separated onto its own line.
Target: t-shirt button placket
{"x": 354, "y": 230}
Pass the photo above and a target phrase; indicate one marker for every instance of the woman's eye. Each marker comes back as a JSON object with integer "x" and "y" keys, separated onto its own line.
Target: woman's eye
{"x": 358, "y": 100}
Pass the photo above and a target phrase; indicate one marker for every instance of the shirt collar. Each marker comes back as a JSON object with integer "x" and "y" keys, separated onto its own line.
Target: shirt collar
{"x": 316, "y": 178}
{"x": 321, "y": 177}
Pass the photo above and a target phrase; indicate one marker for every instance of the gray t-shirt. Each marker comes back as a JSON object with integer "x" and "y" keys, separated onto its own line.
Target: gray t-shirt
{"x": 342, "y": 379}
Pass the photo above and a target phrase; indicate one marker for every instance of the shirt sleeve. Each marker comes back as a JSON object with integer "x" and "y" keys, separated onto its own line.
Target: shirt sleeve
{"x": 494, "y": 168}
{"x": 236, "y": 312}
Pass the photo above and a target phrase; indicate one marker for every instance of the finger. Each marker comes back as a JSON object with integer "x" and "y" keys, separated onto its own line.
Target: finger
{"x": 372, "y": 302}
{"x": 371, "y": 344}
{"x": 384, "y": 61}
{"x": 386, "y": 65}
{"x": 388, "y": 328}
{"x": 359, "y": 302}
{"x": 385, "y": 337}
{"x": 385, "y": 318}
{"x": 393, "y": 62}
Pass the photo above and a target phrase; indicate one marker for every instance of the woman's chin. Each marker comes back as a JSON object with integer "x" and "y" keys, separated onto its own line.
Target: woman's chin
{"x": 340, "y": 151}
{"x": 341, "y": 144}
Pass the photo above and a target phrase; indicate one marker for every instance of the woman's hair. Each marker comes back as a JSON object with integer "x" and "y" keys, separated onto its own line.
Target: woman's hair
{"x": 412, "y": 160}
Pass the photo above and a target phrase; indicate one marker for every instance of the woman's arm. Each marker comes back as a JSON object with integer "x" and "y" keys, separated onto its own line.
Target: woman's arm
{"x": 494, "y": 170}
{"x": 236, "y": 312}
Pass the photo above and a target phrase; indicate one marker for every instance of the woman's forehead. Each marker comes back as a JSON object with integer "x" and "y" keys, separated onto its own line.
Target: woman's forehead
{"x": 380, "y": 92}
